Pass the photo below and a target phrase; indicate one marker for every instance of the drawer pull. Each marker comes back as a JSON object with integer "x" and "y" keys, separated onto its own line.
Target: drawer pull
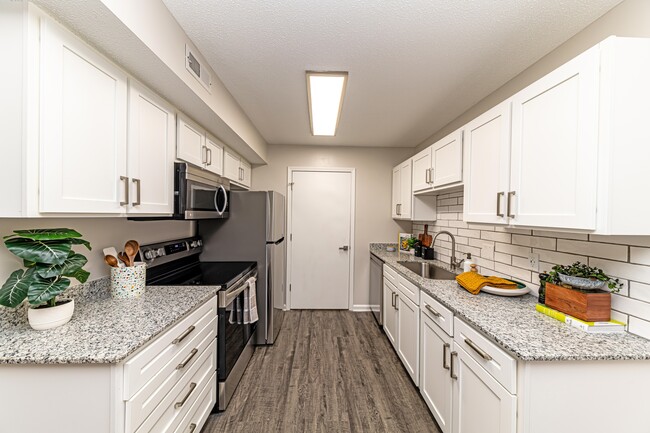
{"x": 483, "y": 354}
{"x": 445, "y": 347}
{"x": 451, "y": 363}
{"x": 192, "y": 427}
{"x": 396, "y": 298}
{"x": 181, "y": 337}
{"x": 180, "y": 404}
{"x": 188, "y": 359}
{"x": 432, "y": 311}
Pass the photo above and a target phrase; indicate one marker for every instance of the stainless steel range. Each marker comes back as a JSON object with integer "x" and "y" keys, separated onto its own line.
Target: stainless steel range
{"x": 176, "y": 263}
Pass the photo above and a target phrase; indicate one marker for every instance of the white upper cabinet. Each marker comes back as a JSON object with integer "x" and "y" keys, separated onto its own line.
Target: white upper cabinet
{"x": 237, "y": 169}
{"x": 214, "y": 155}
{"x": 396, "y": 192}
{"x": 487, "y": 162}
{"x": 406, "y": 193}
{"x": 554, "y": 157}
{"x": 191, "y": 142}
{"x": 406, "y": 205}
{"x": 439, "y": 166}
{"x": 83, "y": 131}
{"x": 151, "y": 146}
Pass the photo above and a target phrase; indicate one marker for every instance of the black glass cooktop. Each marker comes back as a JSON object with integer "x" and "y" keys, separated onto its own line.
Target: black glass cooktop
{"x": 191, "y": 272}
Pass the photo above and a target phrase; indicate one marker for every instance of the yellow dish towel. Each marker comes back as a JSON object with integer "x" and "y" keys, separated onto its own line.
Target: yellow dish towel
{"x": 473, "y": 282}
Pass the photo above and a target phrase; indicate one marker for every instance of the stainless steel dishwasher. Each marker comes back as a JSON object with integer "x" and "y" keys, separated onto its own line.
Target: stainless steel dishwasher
{"x": 377, "y": 288}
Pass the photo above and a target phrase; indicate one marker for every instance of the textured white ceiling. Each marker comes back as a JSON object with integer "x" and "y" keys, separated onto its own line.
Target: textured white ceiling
{"x": 414, "y": 65}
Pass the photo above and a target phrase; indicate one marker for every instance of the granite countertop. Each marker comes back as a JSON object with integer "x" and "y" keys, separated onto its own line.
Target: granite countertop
{"x": 515, "y": 325}
{"x": 102, "y": 329}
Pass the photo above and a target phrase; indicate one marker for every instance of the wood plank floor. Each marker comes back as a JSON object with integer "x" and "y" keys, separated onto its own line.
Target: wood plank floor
{"x": 329, "y": 371}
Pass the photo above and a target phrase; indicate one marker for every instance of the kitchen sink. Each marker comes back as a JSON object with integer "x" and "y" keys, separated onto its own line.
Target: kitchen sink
{"x": 427, "y": 270}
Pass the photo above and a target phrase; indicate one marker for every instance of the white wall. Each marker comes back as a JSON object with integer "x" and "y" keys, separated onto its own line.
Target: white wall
{"x": 373, "y": 193}
{"x": 630, "y": 18}
{"x": 100, "y": 232}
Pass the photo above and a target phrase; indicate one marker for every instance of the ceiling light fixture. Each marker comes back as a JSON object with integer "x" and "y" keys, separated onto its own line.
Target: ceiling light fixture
{"x": 325, "y": 91}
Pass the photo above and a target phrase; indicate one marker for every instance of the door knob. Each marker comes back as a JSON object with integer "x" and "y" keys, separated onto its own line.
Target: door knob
{"x": 344, "y": 248}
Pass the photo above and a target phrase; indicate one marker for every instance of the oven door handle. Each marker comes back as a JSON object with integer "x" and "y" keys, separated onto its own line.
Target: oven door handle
{"x": 235, "y": 291}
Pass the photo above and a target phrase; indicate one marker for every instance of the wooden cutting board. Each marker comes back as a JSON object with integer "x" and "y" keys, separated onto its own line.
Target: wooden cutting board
{"x": 426, "y": 237}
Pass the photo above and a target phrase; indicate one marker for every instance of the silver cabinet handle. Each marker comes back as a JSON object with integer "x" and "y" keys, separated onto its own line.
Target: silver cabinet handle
{"x": 187, "y": 360}
{"x": 451, "y": 365}
{"x": 399, "y": 209}
{"x": 510, "y": 195}
{"x": 126, "y": 190}
{"x": 204, "y": 154}
{"x": 137, "y": 192}
{"x": 392, "y": 300}
{"x": 482, "y": 353}
{"x": 209, "y": 162}
{"x": 431, "y": 175}
{"x": 499, "y": 195}
{"x": 445, "y": 347}
{"x": 181, "y": 337}
{"x": 432, "y": 311}
{"x": 192, "y": 428}
{"x": 396, "y": 299}
{"x": 344, "y": 248}
{"x": 427, "y": 176}
{"x": 180, "y": 404}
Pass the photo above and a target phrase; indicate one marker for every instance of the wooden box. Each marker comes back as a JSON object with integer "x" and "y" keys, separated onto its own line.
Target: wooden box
{"x": 590, "y": 306}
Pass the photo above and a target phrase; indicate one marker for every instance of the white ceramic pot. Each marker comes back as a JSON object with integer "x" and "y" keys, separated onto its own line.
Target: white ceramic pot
{"x": 50, "y": 317}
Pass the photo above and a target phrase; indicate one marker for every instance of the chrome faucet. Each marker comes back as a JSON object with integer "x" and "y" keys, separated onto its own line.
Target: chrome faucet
{"x": 454, "y": 264}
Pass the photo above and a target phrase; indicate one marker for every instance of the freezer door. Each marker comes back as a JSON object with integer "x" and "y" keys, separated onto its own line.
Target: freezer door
{"x": 275, "y": 222}
{"x": 276, "y": 278}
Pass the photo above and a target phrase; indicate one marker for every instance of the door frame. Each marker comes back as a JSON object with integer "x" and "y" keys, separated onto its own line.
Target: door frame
{"x": 352, "y": 171}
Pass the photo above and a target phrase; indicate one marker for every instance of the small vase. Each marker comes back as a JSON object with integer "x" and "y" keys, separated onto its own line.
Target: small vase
{"x": 42, "y": 318}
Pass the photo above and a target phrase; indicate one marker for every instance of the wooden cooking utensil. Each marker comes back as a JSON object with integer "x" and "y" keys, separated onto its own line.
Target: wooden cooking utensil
{"x": 131, "y": 249}
{"x": 111, "y": 261}
{"x": 124, "y": 258}
{"x": 426, "y": 237}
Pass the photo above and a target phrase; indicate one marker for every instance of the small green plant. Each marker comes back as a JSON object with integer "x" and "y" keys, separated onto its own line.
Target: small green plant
{"x": 578, "y": 269}
{"x": 48, "y": 258}
{"x": 412, "y": 241}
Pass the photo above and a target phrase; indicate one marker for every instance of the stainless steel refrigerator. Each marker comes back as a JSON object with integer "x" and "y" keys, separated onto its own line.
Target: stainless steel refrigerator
{"x": 254, "y": 232}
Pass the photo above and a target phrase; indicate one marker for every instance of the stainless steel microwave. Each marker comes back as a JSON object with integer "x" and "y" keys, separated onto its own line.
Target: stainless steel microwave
{"x": 199, "y": 194}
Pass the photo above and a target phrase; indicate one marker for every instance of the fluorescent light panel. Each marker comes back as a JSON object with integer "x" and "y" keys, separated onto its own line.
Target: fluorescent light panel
{"x": 325, "y": 92}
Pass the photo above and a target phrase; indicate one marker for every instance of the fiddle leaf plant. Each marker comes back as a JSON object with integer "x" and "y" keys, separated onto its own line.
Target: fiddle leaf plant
{"x": 48, "y": 258}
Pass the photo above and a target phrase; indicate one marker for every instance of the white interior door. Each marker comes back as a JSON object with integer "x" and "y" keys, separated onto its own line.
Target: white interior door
{"x": 321, "y": 239}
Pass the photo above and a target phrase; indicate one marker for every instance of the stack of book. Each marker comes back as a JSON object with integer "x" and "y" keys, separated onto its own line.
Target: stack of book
{"x": 611, "y": 326}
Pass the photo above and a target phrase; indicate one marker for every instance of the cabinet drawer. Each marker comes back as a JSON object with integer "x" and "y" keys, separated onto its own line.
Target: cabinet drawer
{"x": 153, "y": 392}
{"x": 200, "y": 410}
{"x": 143, "y": 366}
{"x": 408, "y": 289}
{"x": 177, "y": 403}
{"x": 390, "y": 274}
{"x": 492, "y": 358}
{"x": 441, "y": 315}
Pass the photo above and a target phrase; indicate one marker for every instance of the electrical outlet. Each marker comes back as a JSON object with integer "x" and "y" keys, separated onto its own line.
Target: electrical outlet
{"x": 533, "y": 261}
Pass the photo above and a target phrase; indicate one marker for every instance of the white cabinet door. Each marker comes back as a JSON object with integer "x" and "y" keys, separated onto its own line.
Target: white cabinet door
{"x": 408, "y": 335}
{"x": 487, "y": 170}
{"x": 406, "y": 193}
{"x": 83, "y": 127}
{"x": 554, "y": 160}
{"x": 480, "y": 403}
{"x": 390, "y": 312}
{"x": 435, "y": 379}
{"x": 231, "y": 165}
{"x": 214, "y": 155}
{"x": 245, "y": 173}
{"x": 447, "y": 157}
{"x": 422, "y": 165}
{"x": 397, "y": 191}
{"x": 151, "y": 146}
{"x": 190, "y": 146}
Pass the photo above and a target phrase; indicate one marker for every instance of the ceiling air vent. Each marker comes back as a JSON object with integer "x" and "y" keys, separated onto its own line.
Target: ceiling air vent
{"x": 196, "y": 68}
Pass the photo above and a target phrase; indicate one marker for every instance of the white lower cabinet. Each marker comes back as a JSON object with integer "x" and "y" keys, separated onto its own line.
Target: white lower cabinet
{"x": 390, "y": 312}
{"x": 408, "y": 335}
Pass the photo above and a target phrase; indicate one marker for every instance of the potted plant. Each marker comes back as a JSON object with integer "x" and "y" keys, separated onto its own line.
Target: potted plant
{"x": 583, "y": 277}
{"x": 48, "y": 259}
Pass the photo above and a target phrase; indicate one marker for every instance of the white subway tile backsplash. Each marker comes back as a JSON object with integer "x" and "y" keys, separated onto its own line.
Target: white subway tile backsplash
{"x": 594, "y": 249}
{"x": 503, "y": 251}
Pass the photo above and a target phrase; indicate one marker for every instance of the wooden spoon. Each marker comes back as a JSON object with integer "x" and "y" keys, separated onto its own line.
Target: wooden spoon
{"x": 124, "y": 258}
{"x": 131, "y": 249}
{"x": 111, "y": 261}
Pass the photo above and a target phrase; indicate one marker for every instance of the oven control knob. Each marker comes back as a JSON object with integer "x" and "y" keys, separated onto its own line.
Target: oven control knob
{"x": 194, "y": 244}
{"x": 160, "y": 252}
{"x": 199, "y": 242}
{"x": 149, "y": 255}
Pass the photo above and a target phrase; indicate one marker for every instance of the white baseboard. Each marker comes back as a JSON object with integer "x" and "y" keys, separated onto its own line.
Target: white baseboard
{"x": 361, "y": 308}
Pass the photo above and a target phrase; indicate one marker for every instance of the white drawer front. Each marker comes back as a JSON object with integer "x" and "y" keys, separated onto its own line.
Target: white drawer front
{"x": 177, "y": 403}
{"x": 200, "y": 410}
{"x": 492, "y": 358}
{"x": 441, "y": 315}
{"x": 390, "y": 274}
{"x": 408, "y": 289}
{"x": 144, "y": 365}
{"x": 153, "y": 392}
